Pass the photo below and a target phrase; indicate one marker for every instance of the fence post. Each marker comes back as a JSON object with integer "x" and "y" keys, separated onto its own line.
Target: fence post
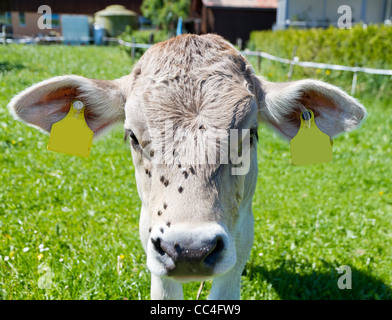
{"x": 239, "y": 43}
{"x": 3, "y": 30}
{"x": 354, "y": 83}
{"x": 290, "y": 74}
{"x": 151, "y": 38}
{"x": 133, "y": 50}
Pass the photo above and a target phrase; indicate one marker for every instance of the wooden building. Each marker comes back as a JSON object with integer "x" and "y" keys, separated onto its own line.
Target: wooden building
{"x": 233, "y": 19}
{"x": 324, "y": 13}
{"x": 88, "y": 7}
{"x": 24, "y": 16}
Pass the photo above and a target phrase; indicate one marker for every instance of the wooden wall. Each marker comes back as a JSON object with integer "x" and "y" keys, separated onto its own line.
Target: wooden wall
{"x": 233, "y": 23}
{"x": 68, "y": 6}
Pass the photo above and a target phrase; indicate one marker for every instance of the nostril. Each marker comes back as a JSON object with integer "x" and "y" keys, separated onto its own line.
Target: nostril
{"x": 208, "y": 254}
{"x": 163, "y": 247}
{"x": 157, "y": 245}
{"x": 213, "y": 255}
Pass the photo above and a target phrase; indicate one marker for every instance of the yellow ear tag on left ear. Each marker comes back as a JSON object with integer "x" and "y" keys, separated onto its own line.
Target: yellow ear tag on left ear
{"x": 310, "y": 145}
{"x": 71, "y": 135}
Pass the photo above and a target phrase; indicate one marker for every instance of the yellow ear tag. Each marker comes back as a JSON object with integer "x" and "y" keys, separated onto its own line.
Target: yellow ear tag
{"x": 72, "y": 135}
{"x": 310, "y": 145}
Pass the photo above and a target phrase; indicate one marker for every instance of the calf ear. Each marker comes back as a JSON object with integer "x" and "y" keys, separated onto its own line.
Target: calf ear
{"x": 49, "y": 101}
{"x": 281, "y": 105}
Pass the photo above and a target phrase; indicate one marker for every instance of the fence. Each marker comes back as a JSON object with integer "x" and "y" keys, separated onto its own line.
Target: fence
{"x": 294, "y": 61}
{"x": 307, "y": 64}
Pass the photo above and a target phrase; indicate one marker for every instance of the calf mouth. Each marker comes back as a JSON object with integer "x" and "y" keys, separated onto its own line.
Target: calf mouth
{"x": 190, "y": 256}
{"x": 198, "y": 262}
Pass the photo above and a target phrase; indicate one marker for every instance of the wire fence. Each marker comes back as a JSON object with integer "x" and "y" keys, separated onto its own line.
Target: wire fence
{"x": 294, "y": 61}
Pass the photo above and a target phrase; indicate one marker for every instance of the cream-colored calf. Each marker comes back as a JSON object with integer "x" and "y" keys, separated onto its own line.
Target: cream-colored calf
{"x": 196, "y": 218}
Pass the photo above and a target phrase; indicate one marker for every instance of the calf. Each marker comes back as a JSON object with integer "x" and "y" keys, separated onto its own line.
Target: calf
{"x": 196, "y": 183}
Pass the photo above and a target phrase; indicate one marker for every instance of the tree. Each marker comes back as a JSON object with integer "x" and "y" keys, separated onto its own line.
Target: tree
{"x": 163, "y": 13}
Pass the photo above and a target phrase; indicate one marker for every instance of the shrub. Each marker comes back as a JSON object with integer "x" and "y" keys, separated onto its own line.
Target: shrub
{"x": 364, "y": 47}
{"x": 165, "y": 13}
{"x": 142, "y": 36}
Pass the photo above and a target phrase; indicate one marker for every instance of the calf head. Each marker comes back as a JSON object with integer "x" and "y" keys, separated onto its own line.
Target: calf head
{"x": 191, "y": 107}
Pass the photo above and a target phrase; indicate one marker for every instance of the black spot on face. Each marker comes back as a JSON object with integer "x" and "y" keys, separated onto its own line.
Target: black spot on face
{"x": 168, "y": 224}
{"x": 180, "y": 189}
{"x": 185, "y": 174}
{"x": 192, "y": 170}
{"x": 161, "y": 230}
{"x": 164, "y": 181}
{"x": 148, "y": 172}
{"x": 159, "y": 212}
{"x": 165, "y": 206}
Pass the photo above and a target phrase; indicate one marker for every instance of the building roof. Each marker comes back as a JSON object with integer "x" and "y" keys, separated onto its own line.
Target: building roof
{"x": 256, "y": 4}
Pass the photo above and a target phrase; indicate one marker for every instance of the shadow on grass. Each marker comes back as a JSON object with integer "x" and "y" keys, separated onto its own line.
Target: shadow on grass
{"x": 311, "y": 285}
{"x": 6, "y": 66}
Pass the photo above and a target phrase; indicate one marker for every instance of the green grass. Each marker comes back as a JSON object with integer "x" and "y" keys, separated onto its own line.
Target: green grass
{"x": 308, "y": 220}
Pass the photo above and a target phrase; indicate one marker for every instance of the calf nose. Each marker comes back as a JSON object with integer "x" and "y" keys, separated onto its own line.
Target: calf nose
{"x": 205, "y": 255}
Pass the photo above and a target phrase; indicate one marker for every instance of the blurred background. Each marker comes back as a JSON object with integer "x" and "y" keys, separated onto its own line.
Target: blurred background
{"x": 233, "y": 19}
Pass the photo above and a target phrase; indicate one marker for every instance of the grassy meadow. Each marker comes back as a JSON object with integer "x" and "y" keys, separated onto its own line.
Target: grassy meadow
{"x": 77, "y": 218}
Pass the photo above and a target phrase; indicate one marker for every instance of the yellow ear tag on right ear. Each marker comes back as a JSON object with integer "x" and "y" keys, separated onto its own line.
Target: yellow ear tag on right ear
{"x": 71, "y": 135}
{"x": 310, "y": 145}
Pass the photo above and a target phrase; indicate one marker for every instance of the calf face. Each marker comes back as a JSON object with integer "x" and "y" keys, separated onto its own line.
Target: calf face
{"x": 191, "y": 107}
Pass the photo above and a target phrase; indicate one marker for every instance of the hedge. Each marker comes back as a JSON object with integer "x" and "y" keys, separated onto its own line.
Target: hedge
{"x": 362, "y": 46}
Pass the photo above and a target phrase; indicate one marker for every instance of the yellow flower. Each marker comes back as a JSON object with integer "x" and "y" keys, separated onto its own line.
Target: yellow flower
{"x": 13, "y": 141}
{"x": 328, "y": 72}
{"x": 318, "y": 71}
{"x": 40, "y": 256}
{"x": 381, "y": 193}
{"x": 12, "y": 254}
{"x": 122, "y": 256}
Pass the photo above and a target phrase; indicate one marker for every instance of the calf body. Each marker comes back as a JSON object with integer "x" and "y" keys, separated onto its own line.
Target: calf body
{"x": 191, "y": 107}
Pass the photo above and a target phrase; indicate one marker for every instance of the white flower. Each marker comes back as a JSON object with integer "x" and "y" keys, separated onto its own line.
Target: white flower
{"x": 26, "y": 249}
{"x": 41, "y": 246}
{"x": 61, "y": 259}
{"x": 6, "y": 258}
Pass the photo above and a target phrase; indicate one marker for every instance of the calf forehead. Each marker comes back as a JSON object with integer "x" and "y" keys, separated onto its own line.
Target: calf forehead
{"x": 213, "y": 102}
{"x": 192, "y": 81}
{"x": 189, "y": 53}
